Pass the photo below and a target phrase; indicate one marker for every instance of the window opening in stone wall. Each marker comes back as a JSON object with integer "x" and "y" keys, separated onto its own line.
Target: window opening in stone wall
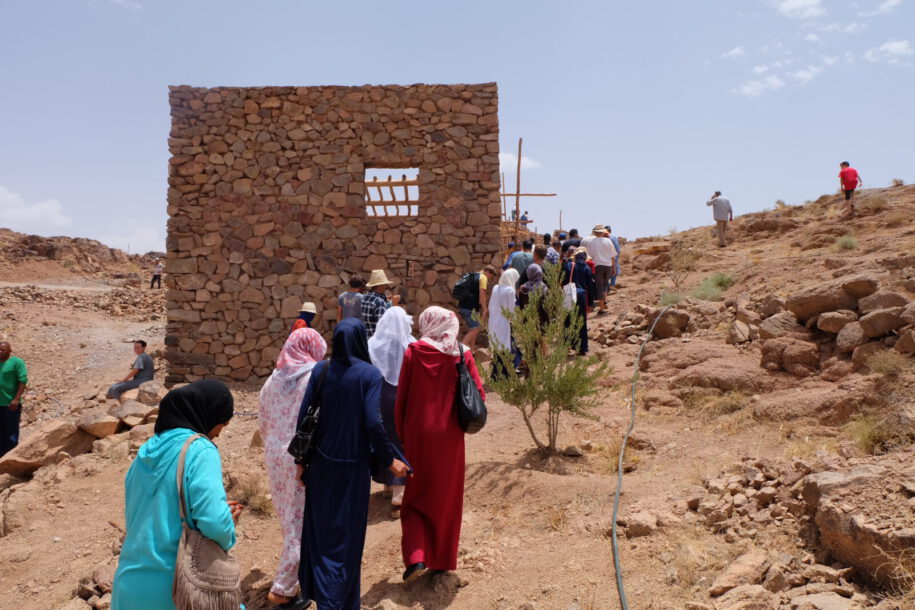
{"x": 392, "y": 192}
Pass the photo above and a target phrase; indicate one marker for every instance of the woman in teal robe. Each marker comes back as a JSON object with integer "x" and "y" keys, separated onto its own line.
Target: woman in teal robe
{"x": 146, "y": 568}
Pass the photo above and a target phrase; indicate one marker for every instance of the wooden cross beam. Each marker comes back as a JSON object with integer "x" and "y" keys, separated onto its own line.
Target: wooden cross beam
{"x": 518, "y": 194}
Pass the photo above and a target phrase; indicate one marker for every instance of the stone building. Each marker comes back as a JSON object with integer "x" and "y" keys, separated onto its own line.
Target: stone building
{"x": 268, "y": 206}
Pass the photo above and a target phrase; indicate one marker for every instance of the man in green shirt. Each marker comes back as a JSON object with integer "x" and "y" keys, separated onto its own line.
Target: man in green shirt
{"x": 13, "y": 379}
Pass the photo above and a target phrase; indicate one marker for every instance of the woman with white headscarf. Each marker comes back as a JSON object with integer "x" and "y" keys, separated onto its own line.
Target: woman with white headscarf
{"x": 280, "y": 399}
{"x": 393, "y": 334}
{"x": 433, "y": 443}
{"x": 499, "y": 328}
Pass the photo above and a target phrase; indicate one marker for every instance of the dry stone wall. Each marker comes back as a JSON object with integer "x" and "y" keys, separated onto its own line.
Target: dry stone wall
{"x": 266, "y": 208}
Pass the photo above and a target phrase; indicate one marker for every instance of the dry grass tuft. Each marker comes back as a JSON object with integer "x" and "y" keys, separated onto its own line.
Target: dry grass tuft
{"x": 872, "y": 204}
{"x": 876, "y": 435}
{"x": 896, "y": 219}
{"x": 846, "y": 242}
{"x": 713, "y": 402}
{"x": 889, "y": 363}
{"x": 898, "y": 182}
{"x": 252, "y": 492}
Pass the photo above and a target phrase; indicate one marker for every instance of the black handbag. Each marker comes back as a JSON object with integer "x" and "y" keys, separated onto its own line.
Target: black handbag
{"x": 471, "y": 410}
{"x": 302, "y": 445}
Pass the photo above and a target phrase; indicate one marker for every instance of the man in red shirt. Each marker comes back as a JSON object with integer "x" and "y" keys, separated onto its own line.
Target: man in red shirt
{"x": 849, "y": 180}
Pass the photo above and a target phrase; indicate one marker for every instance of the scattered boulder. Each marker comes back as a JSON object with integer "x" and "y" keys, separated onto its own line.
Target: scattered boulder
{"x": 778, "y": 325}
{"x": 851, "y": 336}
{"x": 880, "y": 322}
{"x": 800, "y": 358}
{"x": 139, "y": 435}
{"x": 739, "y": 332}
{"x": 842, "y": 293}
{"x": 748, "y": 569}
{"x": 43, "y": 446}
{"x": 642, "y": 523}
{"x": 671, "y": 324}
{"x": 132, "y": 412}
{"x": 98, "y": 424}
{"x": 906, "y": 342}
{"x": 881, "y": 300}
{"x": 835, "y": 321}
{"x": 836, "y": 369}
{"x": 772, "y": 304}
{"x": 151, "y": 392}
{"x": 723, "y": 375}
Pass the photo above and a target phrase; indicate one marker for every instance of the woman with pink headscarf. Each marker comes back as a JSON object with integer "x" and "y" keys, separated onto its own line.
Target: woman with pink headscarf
{"x": 433, "y": 443}
{"x": 280, "y": 399}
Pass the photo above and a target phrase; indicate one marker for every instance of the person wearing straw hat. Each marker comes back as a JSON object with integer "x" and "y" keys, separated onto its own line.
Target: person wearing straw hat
{"x": 375, "y": 302}
{"x": 603, "y": 253}
{"x": 306, "y": 315}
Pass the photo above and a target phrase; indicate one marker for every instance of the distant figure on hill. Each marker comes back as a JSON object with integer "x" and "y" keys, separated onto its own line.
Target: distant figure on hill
{"x": 849, "y": 180}
{"x": 141, "y": 370}
{"x": 13, "y": 379}
{"x": 524, "y": 219}
{"x": 722, "y": 213}
{"x": 158, "y": 268}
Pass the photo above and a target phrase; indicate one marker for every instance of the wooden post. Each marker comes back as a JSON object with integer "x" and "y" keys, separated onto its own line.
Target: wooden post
{"x": 518, "y": 195}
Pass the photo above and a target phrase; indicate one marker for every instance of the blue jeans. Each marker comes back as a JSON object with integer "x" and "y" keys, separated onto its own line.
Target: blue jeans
{"x": 467, "y": 314}
{"x": 9, "y": 428}
{"x": 117, "y": 389}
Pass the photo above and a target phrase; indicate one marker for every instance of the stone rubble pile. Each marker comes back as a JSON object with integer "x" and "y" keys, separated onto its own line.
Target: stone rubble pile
{"x": 857, "y": 515}
{"x": 688, "y": 317}
{"x": 137, "y": 304}
{"x": 116, "y": 434}
{"x": 829, "y": 330}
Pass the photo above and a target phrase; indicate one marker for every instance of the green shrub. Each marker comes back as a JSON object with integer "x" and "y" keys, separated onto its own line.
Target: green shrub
{"x": 670, "y": 298}
{"x": 846, "y": 242}
{"x": 711, "y": 287}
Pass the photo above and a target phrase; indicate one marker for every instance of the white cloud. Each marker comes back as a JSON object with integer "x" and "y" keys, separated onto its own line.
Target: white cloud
{"x": 801, "y": 9}
{"x": 830, "y": 60}
{"x": 754, "y": 88}
{"x": 737, "y": 51}
{"x": 891, "y": 51}
{"x": 508, "y": 161}
{"x": 885, "y": 8}
{"x": 804, "y": 76}
{"x": 128, "y": 4}
{"x": 760, "y": 69}
{"x": 42, "y": 217}
{"x": 852, "y": 27}
{"x": 811, "y": 37}
{"x": 136, "y": 237}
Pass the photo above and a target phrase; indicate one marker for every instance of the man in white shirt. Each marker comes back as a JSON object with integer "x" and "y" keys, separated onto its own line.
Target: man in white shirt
{"x": 722, "y": 212}
{"x": 603, "y": 253}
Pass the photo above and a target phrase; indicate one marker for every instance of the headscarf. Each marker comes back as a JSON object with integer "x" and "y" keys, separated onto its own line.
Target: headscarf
{"x": 534, "y": 281}
{"x": 304, "y": 348}
{"x": 509, "y": 278}
{"x": 393, "y": 334}
{"x": 350, "y": 343}
{"x": 199, "y": 406}
{"x": 439, "y": 328}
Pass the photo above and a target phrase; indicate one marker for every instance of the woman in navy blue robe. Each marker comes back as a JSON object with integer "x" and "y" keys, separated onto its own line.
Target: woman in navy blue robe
{"x": 350, "y": 435}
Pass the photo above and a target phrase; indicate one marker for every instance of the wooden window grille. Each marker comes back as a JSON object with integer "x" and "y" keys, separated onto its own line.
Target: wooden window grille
{"x": 392, "y": 196}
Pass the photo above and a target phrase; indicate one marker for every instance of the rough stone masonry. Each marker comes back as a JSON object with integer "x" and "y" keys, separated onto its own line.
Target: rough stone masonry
{"x": 266, "y": 205}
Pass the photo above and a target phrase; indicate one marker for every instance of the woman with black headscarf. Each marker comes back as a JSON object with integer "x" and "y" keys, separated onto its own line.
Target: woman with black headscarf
{"x": 350, "y": 435}
{"x": 147, "y": 564}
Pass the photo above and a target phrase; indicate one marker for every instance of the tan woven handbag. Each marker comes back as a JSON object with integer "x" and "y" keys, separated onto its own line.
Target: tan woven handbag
{"x": 206, "y": 577}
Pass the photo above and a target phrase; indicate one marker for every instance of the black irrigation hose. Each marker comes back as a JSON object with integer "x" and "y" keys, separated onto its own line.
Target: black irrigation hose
{"x": 624, "y": 604}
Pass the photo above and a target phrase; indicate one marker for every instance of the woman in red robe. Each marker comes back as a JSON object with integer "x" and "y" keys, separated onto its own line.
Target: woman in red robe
{"x": 433, "y": 443}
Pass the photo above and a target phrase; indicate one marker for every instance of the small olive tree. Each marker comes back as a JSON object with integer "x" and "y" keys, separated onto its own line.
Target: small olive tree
{"x": 554, "y": 378}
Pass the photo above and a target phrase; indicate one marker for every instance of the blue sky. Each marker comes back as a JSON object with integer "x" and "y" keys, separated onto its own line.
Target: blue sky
{"x": 633, "y": 112}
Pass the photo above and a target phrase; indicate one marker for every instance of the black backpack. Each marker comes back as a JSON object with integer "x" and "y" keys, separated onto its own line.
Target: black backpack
{"x": 467, "y": 290}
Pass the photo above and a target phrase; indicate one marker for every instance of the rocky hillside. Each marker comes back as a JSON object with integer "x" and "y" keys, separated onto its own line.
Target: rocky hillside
{"x": 772, "y": 465}
{"x": 32, "y": 257}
